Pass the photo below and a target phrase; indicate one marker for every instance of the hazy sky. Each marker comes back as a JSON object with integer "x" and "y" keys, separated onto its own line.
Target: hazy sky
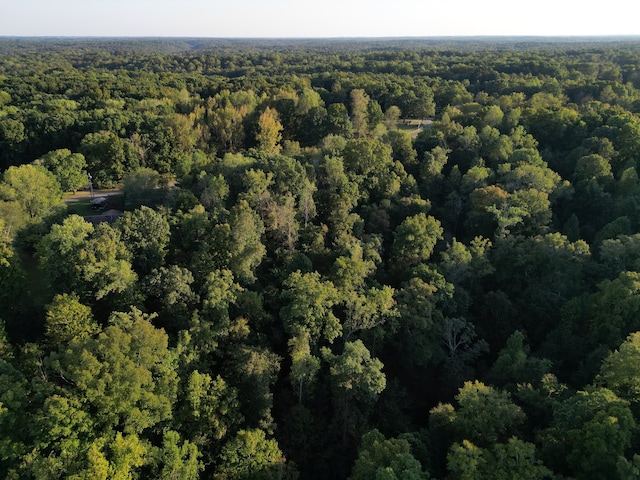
{"x": 324, "y": 18}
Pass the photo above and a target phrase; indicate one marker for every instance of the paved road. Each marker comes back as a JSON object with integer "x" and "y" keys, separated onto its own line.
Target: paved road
{"x": 86, "y": 195}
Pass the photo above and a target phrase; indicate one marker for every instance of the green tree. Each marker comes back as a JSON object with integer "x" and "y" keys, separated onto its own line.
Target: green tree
{"x": 485, "y": 415}
{"x": 356, "y": 377}
{"x": 514, "y": 365}
{"x": 246, "y": 247}
{"x": 414, "y": 241}
{"x": 218, "y": 293}
{"x": 269, "y": 131}
{"x": 169, "y": 293}
{"x": 338, "y": 122}
{"x": 620, "y": 370}
{"x": 69, "y": 320}
{"x": 140, "y": 187}
{"x": 145, "y": 233}
{"x": 251, "y": 455}
{"x": 359, "y": 111}
{"x": 33, "y": 188}
{"x": 178, "y": 461}
{"x": 304, "y": 366}
{"x": 104, "y": 264}
{"x": 126, "y": 374}
{"x": 589, "y": 433}
{"x": 505, "y": 461}
{"x": 59, "y": 250}
{"x": 369, "y": 163}
{"x": 208, "y": 409}
{"x": 109, "y": 157}
{"x": 379, "y": 458}
{"x": 310, "y": 301}
{"x": 69, "y": 168}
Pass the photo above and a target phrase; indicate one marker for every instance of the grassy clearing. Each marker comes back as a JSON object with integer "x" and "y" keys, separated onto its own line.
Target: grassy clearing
{"x": 82, "y": 208}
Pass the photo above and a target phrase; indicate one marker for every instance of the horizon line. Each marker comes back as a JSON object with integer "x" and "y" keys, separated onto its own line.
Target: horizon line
{"x": 358, "y": 37}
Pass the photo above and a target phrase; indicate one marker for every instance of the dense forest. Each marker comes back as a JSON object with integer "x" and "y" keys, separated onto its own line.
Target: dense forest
{"x": 364, "y": 260}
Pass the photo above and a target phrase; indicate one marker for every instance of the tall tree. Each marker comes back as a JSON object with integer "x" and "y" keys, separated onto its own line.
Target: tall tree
{"x": 359, "y": 111}
{"x": 69, "y": 168}
{"x": 33, "y": 188}
{"x": 269, "y": 131}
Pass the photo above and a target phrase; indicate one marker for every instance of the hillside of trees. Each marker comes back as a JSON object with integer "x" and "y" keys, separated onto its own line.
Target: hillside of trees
{"x": 398, "y": 259}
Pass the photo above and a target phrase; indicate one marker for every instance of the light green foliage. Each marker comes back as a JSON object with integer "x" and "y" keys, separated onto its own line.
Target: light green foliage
{"x": 226, "y": 113}
{"x": 63, "y": 431}
{"x": 504, "y": 461}
{"x": 34, "y": 189}
{"x": 593, "y": 167}
{"x": 69, "y": 320}
{"x": 69, "y": 168}
{"x": 304, "y": 366}
{"x": 357, "y": 380}
{"x": 127, "y": 453}
{"x": 402, "y": 148}
{"x": 414, "y": 241}
{"x": 246, "y": 247}
{"x": 433, "y": 163}
{"x": 74, "y": 253}
{"x": 369, "y": 163}
{"x": 484, "y": 415}
{"x": 382, "y": 459}
{"x": 209, "y": 410}
{"x": 218, "y": 293}
{"x": 256, "y": 185}
{"x": 620, "y": 371}
{"x": 310, "y": 301}
{"x": 466, "y": 461}
{"x": 338, "y": 195}
{"x": 269, "y": 131}
{"x": 307, "y": 100}
{"x": 368, "y": 309}
{"x": 356, "y": 373}
{"x": 350, "y": 271}
{"x": 214, "y": 193}
{"x": 359, "y": 118}
{"x": 462, "y": 265}
{"x": 476, "y": 177}
{"x": 58, "y": 252}
{"x": 531, "y": 176}
{"x": 126, "y": 374}
{"x": 250, "y": 455}
{"x": 105, "y": 263}
{"x": 178, "y": 461}
{"x": 391, "y": 117}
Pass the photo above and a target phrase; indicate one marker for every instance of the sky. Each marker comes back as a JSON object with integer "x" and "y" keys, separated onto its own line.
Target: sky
{"x": 324, "y": 18}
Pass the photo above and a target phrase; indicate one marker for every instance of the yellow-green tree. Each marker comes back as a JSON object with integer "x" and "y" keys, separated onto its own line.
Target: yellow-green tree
{"x": 269, "y": 131}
